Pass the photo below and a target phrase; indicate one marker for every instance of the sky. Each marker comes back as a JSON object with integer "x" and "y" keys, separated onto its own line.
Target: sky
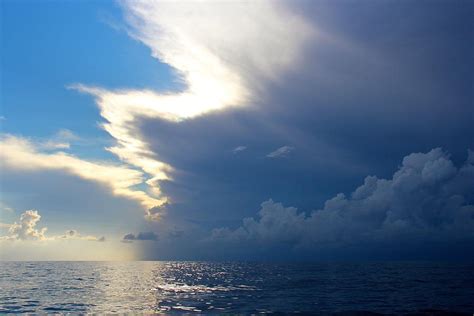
{"x": 215, "y": 130}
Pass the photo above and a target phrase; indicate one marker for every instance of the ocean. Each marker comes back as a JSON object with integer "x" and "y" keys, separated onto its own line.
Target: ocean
{"x": 420, "y": 288}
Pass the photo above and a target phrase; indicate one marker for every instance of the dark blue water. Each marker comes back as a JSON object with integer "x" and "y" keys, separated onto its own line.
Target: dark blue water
{"x": 246, "y": 288}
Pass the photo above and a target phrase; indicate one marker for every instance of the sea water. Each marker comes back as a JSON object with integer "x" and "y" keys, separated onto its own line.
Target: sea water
{"x": 235, "y": 287}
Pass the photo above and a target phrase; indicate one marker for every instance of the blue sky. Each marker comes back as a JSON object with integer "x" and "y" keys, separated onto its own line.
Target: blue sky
{"x": 49, "y": 45}
{"x": 236, "y": 130}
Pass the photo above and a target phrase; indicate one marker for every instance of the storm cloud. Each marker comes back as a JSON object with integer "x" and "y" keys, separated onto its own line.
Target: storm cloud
{"x": 348, "y": 99}
{"x": 139, "y": 237}
{"x": 358, "y": 100}
{"x": 427, "y": 199}
{"x": 295, "y": 101}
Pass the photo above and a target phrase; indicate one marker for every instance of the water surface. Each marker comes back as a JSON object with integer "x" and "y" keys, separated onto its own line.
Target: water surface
{"x": 204, "y": 287}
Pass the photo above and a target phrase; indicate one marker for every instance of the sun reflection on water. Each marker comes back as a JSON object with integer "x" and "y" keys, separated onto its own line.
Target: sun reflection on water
{"x": 243, "y": 288}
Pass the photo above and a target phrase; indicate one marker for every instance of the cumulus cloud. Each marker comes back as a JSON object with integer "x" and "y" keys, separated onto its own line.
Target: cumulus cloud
{"x": 428, "y": 199}
{"x": 26, "y": 229}
{"x": 22, "y": 154}
{"x": 280, "y": 152}
{"x": 203, "y": 41}
{"x": 141, "y": 236}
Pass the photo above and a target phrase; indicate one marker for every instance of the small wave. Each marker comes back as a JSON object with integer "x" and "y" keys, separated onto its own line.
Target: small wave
{"x": 184, "y": 288}
{"x": 55, "y": 309}
{"x": 186, "y": 308}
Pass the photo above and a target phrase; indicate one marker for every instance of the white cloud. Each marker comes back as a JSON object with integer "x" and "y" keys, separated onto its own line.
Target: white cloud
{"x": 26, "y": 229}
{"x": 61, "y": 140}
{"x": 21, "y": 154}
{"x": 50, "y": 144}
{"x": 239, "y": 149}
{"x": 222, "y": 52}
{"x": 428, "y": 198}
{"x": 280, "y": 152}
{"x": 74, "y": 234}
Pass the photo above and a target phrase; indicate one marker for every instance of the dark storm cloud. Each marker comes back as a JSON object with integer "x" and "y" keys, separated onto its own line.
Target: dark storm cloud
{"x": 398, "y": 79}
{"x": 425, "y": 210}
{"x": 428, "y": 199}
{"x": 140, "y": 236}
{"x": 382, "y": 80}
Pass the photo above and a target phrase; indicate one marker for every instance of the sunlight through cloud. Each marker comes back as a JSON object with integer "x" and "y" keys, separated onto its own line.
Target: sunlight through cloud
{"x": 222, "y": 52}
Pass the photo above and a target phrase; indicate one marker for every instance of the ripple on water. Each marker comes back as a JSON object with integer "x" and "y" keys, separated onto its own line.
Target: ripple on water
{"x": 199, "y": 287}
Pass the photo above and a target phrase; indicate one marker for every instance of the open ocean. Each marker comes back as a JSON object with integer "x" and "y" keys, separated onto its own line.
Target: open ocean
{"x": 243, "y": 288}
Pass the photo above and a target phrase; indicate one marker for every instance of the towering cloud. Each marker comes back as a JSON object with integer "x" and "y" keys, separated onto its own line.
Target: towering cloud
{"x": 221, "y": 52}
{"x": 26, "y": 228}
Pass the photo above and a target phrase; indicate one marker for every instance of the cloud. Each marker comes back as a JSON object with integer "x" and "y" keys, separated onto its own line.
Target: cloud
{"x": 140, "y": 237}
{"x": 50, "y": 144}
{"x": 26, "y": 229}
{"x": 61, "y": 140}
{"x": 74, "y": 234}
{"x": 5, "y": 208}
{"x": 66, "y": 135}
{"x": 427, "y": 199}
{"x": 70, "y": 233}
{"x": 337, "y": 121}
{"x": 21, "y": 154}
{"x": 156, "y": 212}
{"x": 239, "y": 149}
{"x": 280, "y": 152}
{"x": 203, "y": 41}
